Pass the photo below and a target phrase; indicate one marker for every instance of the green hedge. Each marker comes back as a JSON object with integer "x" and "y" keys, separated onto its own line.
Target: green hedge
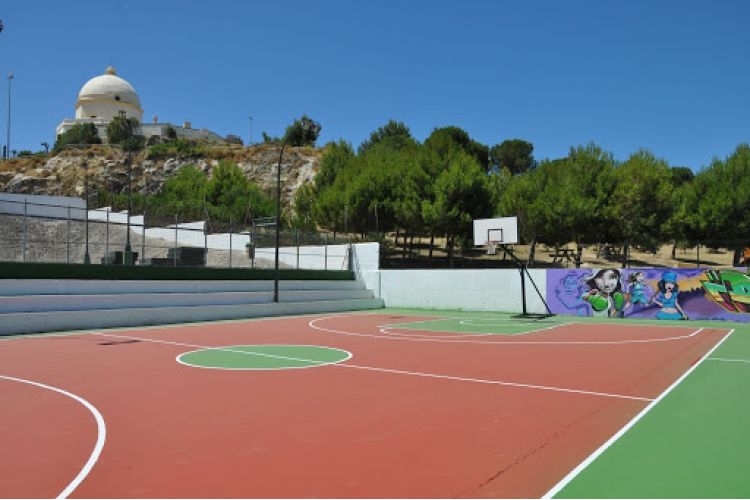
{"x": 18, "y": 270}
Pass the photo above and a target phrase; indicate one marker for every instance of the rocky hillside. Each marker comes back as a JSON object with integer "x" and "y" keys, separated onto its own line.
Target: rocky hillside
{"x": 63, "y": 174}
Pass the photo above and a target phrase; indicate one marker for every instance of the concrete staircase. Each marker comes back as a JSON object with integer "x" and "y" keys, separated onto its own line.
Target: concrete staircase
{"x": 34, "y": 306}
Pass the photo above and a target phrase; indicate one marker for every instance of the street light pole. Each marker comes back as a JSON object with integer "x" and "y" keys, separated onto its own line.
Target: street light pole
{"x": 7, "y": 141}
{"x": 251, "y": 132}
{"x": 307, "y": 125}
{"x": 127, "y": 258}
{"x": 130, "y": 208}
{"x": 278, "y": 224}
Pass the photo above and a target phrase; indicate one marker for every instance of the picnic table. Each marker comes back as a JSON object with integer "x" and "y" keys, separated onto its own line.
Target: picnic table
{"x": 563, "y": 254}
{"x": 611, "y": 252}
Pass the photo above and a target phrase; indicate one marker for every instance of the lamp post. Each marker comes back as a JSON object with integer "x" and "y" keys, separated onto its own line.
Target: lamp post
{"x": 86, "y": 257}
{"x": 306, "y": 125}
{"x": 251, "y": 132}
{"x": 7, "y": 139}
{"x": 127, "y": 258}
{"x": 130, "y": 208}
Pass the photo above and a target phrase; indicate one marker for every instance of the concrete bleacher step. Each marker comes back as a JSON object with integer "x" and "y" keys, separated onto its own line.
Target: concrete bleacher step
{"x": 11, "y": 287}
{"x": 51, "y": 303}
{"x": 35, "y": 306}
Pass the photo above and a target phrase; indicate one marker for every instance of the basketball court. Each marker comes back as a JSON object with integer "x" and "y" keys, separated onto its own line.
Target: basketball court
{"x": 385, "y": 404}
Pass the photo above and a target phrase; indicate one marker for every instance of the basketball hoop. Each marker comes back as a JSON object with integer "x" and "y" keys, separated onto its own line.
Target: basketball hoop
{"x": 491, "y": 247}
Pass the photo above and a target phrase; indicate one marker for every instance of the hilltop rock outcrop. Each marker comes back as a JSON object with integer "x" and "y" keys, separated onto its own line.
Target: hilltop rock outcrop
{"x": 64, "y": 174}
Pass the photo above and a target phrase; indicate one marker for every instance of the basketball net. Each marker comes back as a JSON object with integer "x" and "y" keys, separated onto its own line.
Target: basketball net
{"x": 491, "y": 247}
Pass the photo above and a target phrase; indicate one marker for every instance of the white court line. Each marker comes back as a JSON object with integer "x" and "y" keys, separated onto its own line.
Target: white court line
{"x": 393, "y": 329}
{"x": 226, "y": 349}
{"x": 730, "y": 360}
{"x": 599, "y": 451}
{"x": 497, "y": 382}
{"x": 311, "y": 363}
{"x": 406, "y": 337}
{"x": 100, "y": 438}
{"x": 401, "y": 372}
{"x": 406, "y": 333}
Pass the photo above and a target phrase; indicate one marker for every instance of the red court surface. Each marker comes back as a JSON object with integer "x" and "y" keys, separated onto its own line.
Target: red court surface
{"x": 411, "y": 414}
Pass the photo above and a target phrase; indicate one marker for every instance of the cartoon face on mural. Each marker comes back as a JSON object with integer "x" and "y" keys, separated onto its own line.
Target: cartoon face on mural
{"x": 604, "y": 293}
{"x": 666, "y": 299}
{"x": 569, "y": 292}
{"x": 640, "y": 292}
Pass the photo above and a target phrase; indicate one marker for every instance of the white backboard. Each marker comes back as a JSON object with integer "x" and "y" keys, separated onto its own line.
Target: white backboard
{"x": 503, "y": 230}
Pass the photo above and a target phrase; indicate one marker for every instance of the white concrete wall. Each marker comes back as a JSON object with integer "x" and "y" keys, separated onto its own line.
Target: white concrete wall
{"x": 149, "y": 129}
{"x": 42, "y": 206}
{"x": 450, "y": 289}
{"x": 466, "y": 289}
{"x": 366, "y": 264}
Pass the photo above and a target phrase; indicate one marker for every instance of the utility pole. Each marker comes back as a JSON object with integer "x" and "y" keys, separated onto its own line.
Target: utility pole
{"x": 7, "y": 141}
{"x": 251, "y": 132}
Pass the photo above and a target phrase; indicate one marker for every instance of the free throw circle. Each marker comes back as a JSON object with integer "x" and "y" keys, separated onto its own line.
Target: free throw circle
{"x": 263, "y": 357}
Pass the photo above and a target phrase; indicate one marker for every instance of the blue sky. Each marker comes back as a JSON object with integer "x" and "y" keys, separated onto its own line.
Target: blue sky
{"x": 664, "y": 75}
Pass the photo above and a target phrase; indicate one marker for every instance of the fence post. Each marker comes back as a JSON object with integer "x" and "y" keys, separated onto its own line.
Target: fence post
{"x": 325, "y": 252}
{"x": 23, "y": 238}
{"x": 297, "y": 248}
{"x": 143, "y": 232}
{"x": 230, "y": 243}
{"x": 86, "y": 255}
{"x": 174, "y": 254}
{"x": 106, "y": 240}
{"x": 67, "y": 239}
{"x": 698, "y": 255}
{"x": 252, "y": 242}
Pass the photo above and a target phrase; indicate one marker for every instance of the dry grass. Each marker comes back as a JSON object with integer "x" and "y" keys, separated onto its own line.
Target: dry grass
{"x": 590, "y": 257}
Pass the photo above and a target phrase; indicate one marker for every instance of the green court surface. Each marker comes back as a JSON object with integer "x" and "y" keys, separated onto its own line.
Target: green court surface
{"x": 263, "y": 357}
{"x": 479, "y": 324}
{"x": 694, "y": 442}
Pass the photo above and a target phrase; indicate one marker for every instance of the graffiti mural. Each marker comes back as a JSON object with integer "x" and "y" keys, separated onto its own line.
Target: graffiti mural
{"x": 728, "y": 288}
{"x": 653, "y": 293}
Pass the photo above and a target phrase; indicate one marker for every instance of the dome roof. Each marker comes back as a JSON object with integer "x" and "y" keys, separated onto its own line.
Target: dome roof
{"x": 109, "y": 87}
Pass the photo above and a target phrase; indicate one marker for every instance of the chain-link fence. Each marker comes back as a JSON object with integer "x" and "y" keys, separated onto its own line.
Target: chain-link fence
{"x": 49, "y": 232}
{"x": 423, "y": 253}
{"x": 36, "y": 232}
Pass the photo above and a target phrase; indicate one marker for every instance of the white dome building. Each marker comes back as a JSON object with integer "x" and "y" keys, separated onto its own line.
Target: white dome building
{"x": 107, "y": 96}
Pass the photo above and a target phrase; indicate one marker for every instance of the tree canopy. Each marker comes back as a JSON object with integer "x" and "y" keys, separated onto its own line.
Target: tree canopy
{"x": 435, "y": 189}
{"x": 513, "y": 154}
{"x": 80, "y": 133}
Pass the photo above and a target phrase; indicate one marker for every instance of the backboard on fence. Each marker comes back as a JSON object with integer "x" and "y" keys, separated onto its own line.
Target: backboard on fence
{"x": 499, "y": 231}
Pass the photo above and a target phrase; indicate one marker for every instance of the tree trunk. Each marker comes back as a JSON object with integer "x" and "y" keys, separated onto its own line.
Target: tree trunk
{"x": 532, "y": 251}
{"x": 738, "y": 258}
{"x": 625, "y": 250}
{"x": 449, "y": 248}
